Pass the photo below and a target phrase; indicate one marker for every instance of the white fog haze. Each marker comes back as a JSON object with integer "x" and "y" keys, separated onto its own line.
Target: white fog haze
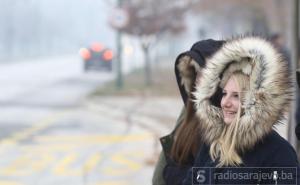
{"x": 52, "y": 27}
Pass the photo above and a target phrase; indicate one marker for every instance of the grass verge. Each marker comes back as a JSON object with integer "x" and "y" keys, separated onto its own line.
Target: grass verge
{"x": 163, "y": 84}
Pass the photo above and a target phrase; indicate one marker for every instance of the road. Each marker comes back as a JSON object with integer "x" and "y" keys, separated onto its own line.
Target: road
{"x": 51, "y": 135}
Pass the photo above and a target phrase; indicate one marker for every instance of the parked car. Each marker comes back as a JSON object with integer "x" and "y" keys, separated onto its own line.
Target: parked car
{"x": 96, "y": 57}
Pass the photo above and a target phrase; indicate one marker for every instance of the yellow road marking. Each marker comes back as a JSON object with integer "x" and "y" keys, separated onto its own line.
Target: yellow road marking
{"x": 42, "y": 124}
{"x": 62, "y": 167}
{"x": 51, "y": 148}
{"x": 18, "y": 167}
{"x": 43, "y": 162}
{"x": 32, "y": 162}
{"x": 10, "y": 183}
{"x": 80, "y": 139}
{"x": 122, "y": 160}
{"x": 111, "y": 183}
{"x": 92, "y": 162}
{"x": 70, "y": 142}
{"x": 27, "y": 164}
{"x": 124, "y": 165}
{"x": 7, "y": 142}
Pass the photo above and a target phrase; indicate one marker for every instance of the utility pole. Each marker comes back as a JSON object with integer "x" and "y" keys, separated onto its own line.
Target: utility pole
{"x": 146, "y": 42}
{"x": 119, "y": 81}
{"x": 118, "y": 20}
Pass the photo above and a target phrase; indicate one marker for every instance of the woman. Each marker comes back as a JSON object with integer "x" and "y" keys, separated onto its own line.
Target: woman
{"x": 180, "y": 147}
{"x": 257, "y": 92}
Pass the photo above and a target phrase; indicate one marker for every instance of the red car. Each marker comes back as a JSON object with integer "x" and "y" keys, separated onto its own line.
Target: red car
{"x": 96, "y": 57}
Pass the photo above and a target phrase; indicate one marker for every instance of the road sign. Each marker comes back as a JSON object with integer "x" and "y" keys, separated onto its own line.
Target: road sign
{"x": 119, "y": 18}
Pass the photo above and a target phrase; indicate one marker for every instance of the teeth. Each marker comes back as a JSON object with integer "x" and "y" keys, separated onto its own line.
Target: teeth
{"x": 230, "y": 113}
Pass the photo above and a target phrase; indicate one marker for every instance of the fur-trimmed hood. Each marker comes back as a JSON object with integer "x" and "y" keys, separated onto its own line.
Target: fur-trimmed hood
{"x": 265, "y": 103}
{"x": 189, "y": 63}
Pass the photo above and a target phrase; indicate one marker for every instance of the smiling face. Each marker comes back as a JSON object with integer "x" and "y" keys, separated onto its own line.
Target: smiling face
{"x": 230, "y": 102}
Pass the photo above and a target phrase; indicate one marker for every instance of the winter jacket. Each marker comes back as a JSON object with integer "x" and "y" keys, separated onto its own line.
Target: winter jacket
{"x": 187, "y": 66}
{"x": 264, "y": 106}
{"x": 166, "y": 142}
{"x": 272, "y": 151}
{"x": 297, "y": 115}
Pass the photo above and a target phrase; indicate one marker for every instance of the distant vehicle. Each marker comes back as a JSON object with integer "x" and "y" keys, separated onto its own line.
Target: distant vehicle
{"x": 96, "y": 57}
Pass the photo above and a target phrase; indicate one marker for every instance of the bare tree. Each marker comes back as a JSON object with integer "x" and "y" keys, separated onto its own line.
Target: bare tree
{"x": 151, "y": 19}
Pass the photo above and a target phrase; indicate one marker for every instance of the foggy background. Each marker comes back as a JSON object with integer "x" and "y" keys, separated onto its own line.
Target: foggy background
{"x": 61, "y": 124}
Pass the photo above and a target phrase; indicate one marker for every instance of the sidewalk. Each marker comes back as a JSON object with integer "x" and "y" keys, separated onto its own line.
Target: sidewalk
{"x": 158, "y": 114}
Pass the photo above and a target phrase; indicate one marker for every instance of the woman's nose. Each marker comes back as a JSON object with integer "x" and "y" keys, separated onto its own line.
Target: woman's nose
{"x": 227, "y": 102}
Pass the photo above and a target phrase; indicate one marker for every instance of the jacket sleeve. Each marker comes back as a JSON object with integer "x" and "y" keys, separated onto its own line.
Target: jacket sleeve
{"x": 201, "y": 176}
{"x": 188, "y": 178}
{"x": 157, "y": 178}
{"x": 174, "y": 174}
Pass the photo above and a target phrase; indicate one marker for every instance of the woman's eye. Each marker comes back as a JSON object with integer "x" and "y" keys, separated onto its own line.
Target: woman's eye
{"x": 224, "y": 93}
{"x": 236, "y": 96}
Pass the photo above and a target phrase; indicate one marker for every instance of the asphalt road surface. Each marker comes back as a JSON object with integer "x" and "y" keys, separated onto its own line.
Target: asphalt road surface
{"x": 49, "y": 135}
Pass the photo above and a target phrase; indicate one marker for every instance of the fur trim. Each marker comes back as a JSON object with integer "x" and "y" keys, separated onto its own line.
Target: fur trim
{"x": 269, "y": 96}
{"x": 188, "y": 69}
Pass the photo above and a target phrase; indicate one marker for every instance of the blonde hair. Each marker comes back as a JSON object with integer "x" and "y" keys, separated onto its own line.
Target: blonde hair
{"x": 224, "y": 148}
